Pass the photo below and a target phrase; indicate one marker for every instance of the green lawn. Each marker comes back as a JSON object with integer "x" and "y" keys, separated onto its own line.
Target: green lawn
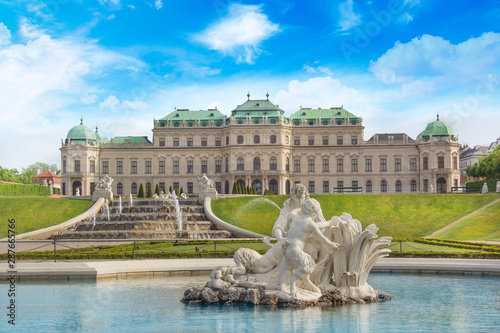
{"x": 484, "y": 225}
{"x": 397, "y": 215}
{"x": 33, "y": 213}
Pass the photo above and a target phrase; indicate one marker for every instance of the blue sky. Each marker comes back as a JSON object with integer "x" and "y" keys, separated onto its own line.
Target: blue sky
{"x": 120, "y": 64}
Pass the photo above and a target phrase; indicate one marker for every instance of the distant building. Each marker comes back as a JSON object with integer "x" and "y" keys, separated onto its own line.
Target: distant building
{"x": 257, "y": 145}
{"x": 48, "y": 176}
{"x": 471, "y": 155}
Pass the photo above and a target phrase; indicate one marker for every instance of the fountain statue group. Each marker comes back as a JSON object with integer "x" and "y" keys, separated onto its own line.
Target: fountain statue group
{"x": 311, "y": 258}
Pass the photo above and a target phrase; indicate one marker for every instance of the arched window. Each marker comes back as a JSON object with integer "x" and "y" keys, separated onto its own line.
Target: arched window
{"x": 287, "y": 186}
{"x": 240, "y": 164}
{"x": 399, "y": 186}
{"x": 119, "y": 188}
{"x": 273, "y": 164}
{"x": 133, "y": 188}
{"x": 227, "y": 141}
{"x": 258, "y": 186}
{"x": 413, "y": 186}
{"x": 240, "y": 182}
{"x": 256, "y": 139}
{"x": 273, "y": 139}
{"x": 368, "y": 186}
{"x": 226, "y": 187}
{"x": 256, "y": 163}
{"x": 273, "y": 186}
{"x": 148, "y": 186}
{"x": 383, "y": 186}
{"x": 240, "y": 139}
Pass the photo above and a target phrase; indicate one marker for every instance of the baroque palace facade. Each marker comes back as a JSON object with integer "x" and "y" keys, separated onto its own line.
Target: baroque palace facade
{"x": 257, "y": 145}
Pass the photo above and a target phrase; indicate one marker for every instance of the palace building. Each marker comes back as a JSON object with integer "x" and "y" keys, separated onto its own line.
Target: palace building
{"x": 257, "y": 145}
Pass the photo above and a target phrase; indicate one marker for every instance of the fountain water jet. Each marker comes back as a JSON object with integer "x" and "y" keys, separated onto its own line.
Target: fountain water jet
{"x": 178, "y": 211}
{"x": 106, "y": 207}
{"x": 120, "y": 204}
{"x": 131, "y": 202}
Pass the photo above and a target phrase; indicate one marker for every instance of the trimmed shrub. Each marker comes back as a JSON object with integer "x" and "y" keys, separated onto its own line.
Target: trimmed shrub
{"x": 21, "y": 190}
{"x": 492, "y": 184}
{"x": 141, "y": 192}
{"x": 157, "y": 189}
{"x": 150, "y": 192}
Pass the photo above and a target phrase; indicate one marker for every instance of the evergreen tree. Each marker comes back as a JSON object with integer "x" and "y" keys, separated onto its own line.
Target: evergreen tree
{"x": 157, "y": 189}
{"x": 181, "y": 191}
{"x": 141, "y": 192}
{"x": 234, "y": 188}
{"x": 170, "y": 189}
{"x": 150, "y": 191}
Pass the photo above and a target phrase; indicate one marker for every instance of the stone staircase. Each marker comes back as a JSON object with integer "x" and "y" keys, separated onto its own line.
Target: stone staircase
{"x": 147, "y": 219}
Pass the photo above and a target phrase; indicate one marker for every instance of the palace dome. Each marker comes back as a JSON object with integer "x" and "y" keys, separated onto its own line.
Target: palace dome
{"x": 437, "y": 129}
{"x": 81, "y": 133}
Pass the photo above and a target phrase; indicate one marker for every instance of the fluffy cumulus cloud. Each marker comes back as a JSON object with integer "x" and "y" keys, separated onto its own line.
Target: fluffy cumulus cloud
{"x": 349, "y": 18}
{"x": 43, "y": 77}
{"x": 158, "y": 4}
{"x": 433, "y": 57}
{"x": 322, "y": 92}
{"x": 4, "y": 35}
{"x": 239, "y": 33}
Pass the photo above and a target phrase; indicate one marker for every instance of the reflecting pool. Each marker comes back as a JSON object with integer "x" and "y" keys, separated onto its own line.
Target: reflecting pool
{"x": 423, "y": 303}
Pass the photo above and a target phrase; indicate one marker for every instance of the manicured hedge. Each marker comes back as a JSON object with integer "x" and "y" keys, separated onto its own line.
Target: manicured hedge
{"x": 21, "y": 190}
{"x": 492, "y": 184}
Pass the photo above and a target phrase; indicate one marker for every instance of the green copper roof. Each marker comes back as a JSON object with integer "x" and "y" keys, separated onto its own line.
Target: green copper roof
{"x": 182, "y": 114}
{"x": 257, "y": 105}
{"x": 323, "y": 113}
{"x": 130, "y": 139}
{"x": 81, "y": 133}
{"x": 437, "y": 129}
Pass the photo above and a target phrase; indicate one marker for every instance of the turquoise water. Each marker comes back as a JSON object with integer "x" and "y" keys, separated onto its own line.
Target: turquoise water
{"x": 424, "y": 303}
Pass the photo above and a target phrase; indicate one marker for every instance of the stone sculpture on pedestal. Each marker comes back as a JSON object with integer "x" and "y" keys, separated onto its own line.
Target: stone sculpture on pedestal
{"x": 485, "y": 188}
{"x": 207, "y": 189}
{"x": 313, "y": 261}
{"x": 103, "y": 189}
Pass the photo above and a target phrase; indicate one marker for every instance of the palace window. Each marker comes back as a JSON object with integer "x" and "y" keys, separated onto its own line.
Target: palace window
{"x": 190, "y": 187}
{"x": 440, "y": 162}
{"x": 77, "y": 165}
{"x": 119, "y": 188}
{"x": 311, "y": 187}
{"x": 296, "y": 141}
{"x": 397, "y": 164}
{"x": 311, "y": 166}
{"x": 64, "y": 166}
{"x": 340, "y": 140}
{"x": 273, "y": 139}
{"x": 218, "y": 142}
{"x": 218, "y": 166}
{"x": 340, "y": 165}
{"x": 105, "y": 167}
{"x": 176, "y": 142}
{"x": 133, "y": 188}
{"x": 354, "y": 140}
{"x": 383, "y": 186}
{"x": 227, "y": 141}
{"x": 368, "y": 164}
{"x": 240, "y": 139}
{"x": 368, "y": 186}
{"x": 204, "y": 166}
{"x": 227, "y": 165}
{"x": 119, "y": 167}
{"x": 287, "y": 164}
{"x": 311, "y": 140}
{"x": 296, "y": 165}
{"x": 383, "y": 164}
{"x": 256, "y": 139}
{"x": 162, "y": 142}
{"x": 326, "y": 165}
{"x": 399, "y": 186}
{"x": 176, "y": 167}
{"x": 218, "y": 187}
{"x": 92, "y": 166}
{"x": 273, "y": 164}
{"x": 354, "y": 183}
{"x": 189, "y": 166}
{"x": 413, "y": 164}
{"x": 455, "y": 162}
{"x": 240, "y": 164}
{"x": 425, "y": 163}
{"x": 326, "y": 186}
{"x": 190, "y": 142}
{"x": 325, "y": 140}
{"x": 161, "y": 167}
{"x": 256, "y": 163}
{"x": 162, "y": 187}
{"x": 176, "y": 187}
{"x": 148, "y": 166}
{"x": 413, "y": 186}
{"x": 203, "y": 142}
{"x": 133, "y": 167}
{"x": 340, "y": 186}
{"x": 426, "y": 185}
{"x": 354, "y": 165}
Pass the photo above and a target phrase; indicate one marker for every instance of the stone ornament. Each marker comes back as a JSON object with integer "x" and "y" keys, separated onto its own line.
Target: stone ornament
{"x": 313, "y": 259}
{"x": 498, "y": 187}
{"x": 105, "y": 183}
{"x": 205, "y": 184}
{"x": 485, "y": 188}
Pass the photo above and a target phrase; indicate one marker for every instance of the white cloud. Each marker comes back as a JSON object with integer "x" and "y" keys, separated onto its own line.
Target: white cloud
{"x": 113, "y": 103}
{"x": 318, "y": 69}
{"x": 240, "y": 33}
{"x": 110, "y": 17}
{"x": 89, "y": 99}
{"x": 405, "y": 18}
{"x": 4, "y": 35}
{"x": 434, "y": 59}
{"x": 348, "y": 17}
{"x": 131, "y": 7}
{"x": 322, "y": 92}
{"x": 158, "y": 4}
{"x": 30, "y": 30}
